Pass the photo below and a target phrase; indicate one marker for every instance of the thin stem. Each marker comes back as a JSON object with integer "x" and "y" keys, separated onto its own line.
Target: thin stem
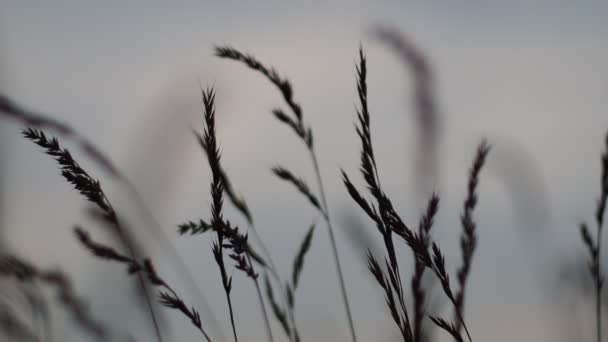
{"x": 264, "y": 313}
{"x": 143, "y": 286}
{"x": 231, "y": 316}
{"x": 150, "y": 308}
{"x": 598, "y": 286}
{"x": 263, "y": 306}
{"x": 598, "y": 313}
{"x": 131, "y": 249}
{"x": 438, "y": 273}
{"x": 294, "y": 329}
{"x": 315, "y": 163}
{"x": 597, "y": 251}
{"x": 184, "y": 271}
{"x": 275, "y": 275}
{"x": 226, "y": 282}
{"x": 464, "y": 325}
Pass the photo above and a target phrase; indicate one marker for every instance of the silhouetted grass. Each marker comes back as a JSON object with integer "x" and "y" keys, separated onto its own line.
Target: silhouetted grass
{"x": 232, "y": 250}
{"x": 167, "y": 296}
{"x": 13, "y": 111}
{"x": 594, "y": 246}
{"x": 91, "y": 189}
{"x": 306, "y": 135}
{"x": 389, "y": 223}
{"x": 231, "y": 242}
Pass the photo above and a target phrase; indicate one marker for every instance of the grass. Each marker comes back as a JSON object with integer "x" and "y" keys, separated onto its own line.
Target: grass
{"x": 11, "y": 266}
{"x": 594, "y": 246}
{"x": 389, "y": 224}
{"x": 296, "y": 123}
{"x": 92, "y": 191}
{"x": 232, "y": 249}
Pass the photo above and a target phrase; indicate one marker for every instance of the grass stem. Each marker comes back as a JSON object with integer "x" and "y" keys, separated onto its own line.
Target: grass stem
{"x": 332, "y": 239}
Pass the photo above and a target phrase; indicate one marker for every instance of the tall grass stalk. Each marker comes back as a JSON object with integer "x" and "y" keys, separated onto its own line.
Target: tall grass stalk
{"x": 305, "y": 134}
{"x": 92, "y": 191}
{"x": 594, "y": 247}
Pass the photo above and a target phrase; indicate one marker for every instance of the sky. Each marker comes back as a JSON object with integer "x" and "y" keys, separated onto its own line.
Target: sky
{"x": 527, "y": 76}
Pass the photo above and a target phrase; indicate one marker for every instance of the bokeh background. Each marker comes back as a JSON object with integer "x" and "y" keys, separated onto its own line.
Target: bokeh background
{"x": 528, "y": 76}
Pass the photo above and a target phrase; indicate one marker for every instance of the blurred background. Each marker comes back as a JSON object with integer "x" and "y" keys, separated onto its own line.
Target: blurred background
{"x": 528, "y": 76}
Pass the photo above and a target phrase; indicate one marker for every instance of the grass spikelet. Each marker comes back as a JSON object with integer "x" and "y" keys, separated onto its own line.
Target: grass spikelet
{"x": 271, "y": 74}
{"x": 193, "y": 228}
{"x": 300, "y": 184}
{"x": 395, "y": 310}
{"x": 447, "y": 326}
{"x": 298, "y": 263}
{"x": 418, "y": 292}
{"x": 70, "y": 170}
{"x": 358, "y": 198}
{"x": 236, "y": 200}
{"x": 468, "y": 240}
{"x": 279, "y": 314}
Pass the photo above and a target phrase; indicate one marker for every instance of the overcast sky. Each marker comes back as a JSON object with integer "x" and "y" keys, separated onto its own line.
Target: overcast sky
{"x": 531, "y": 78}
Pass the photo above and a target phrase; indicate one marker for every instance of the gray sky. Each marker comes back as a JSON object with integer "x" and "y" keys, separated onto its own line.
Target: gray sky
{"x": 529, "y": 77}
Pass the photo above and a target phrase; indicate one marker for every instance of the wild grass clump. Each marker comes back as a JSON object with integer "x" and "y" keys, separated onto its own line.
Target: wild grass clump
{"x": 12, "y": 266}
{"x": 389, "y": 224}
{"x": 232, "y": 249}
{"x": 91, "y": 189}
